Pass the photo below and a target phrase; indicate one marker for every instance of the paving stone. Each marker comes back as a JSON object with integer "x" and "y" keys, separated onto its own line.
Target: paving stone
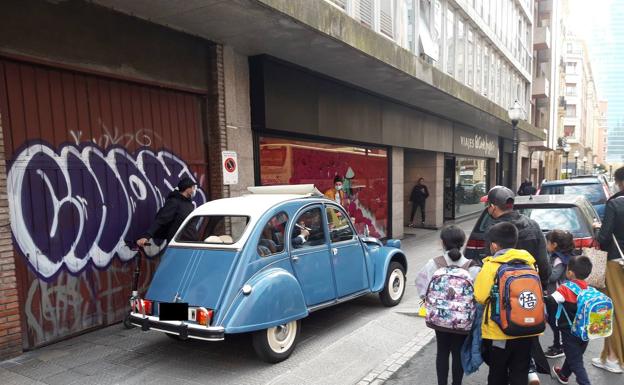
{"x": 37, "y": 370}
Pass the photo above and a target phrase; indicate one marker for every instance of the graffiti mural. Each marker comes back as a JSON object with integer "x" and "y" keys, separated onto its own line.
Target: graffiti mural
{"x": 79, "y": 205}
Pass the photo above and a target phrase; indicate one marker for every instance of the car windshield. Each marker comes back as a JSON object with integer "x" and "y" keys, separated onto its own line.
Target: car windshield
{"x": 213, "y": 229}
{"x": 549, "y": 218}
{"x": 593, "y": 192}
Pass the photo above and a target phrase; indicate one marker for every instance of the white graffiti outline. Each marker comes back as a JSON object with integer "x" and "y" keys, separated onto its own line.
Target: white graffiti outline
{"x": 41, "y": 262}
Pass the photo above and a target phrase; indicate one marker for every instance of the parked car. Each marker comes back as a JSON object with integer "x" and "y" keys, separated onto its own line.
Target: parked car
{"x": 240, "y": 265}
{"x": 573, "y": 213}
{"x": 593, "y": 188}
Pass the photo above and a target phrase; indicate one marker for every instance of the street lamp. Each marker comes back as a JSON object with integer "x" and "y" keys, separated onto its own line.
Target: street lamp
{"x": 566, "y": 151}
{"x": 516, "y": 113}
{"x": 576, "y": 156}
{"x": 584, "y": 165}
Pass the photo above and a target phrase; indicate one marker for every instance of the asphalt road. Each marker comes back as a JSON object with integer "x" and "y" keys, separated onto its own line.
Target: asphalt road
{"x": 338, "y": 345}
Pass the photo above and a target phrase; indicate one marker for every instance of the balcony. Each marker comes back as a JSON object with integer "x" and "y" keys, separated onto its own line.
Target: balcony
{"x": 541, "y": 88}
{"x": 541, "y": 38}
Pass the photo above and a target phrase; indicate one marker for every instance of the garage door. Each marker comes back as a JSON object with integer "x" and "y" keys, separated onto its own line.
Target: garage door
{"x": 89, "y": 160}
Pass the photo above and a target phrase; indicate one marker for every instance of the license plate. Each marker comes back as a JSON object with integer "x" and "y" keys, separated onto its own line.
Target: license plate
{"x": 173, "y": 311}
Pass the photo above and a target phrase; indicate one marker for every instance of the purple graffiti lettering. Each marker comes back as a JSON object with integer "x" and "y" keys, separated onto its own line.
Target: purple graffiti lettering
{"x": 79, "y": 205}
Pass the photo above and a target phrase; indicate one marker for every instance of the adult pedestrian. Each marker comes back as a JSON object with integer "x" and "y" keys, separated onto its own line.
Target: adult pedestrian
{"x": 500, "y": 202}
{"x": 527, "y": 188}
{"x": 178, "y": 205}
{"x": 611, "y": 239}
{"x": 418, "y": 197}
{"x": 336, "y": 193}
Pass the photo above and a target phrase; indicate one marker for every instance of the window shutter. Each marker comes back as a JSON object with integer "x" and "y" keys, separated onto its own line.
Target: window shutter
{"x": 386, "y": 23}
{"x": 364, "y": 12}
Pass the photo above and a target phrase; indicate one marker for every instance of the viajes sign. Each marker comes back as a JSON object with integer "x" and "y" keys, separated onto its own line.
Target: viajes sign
{"x": 471, "y": 142}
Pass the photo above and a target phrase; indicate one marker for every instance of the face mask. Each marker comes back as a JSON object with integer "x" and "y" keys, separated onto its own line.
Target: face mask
{"x": 338, "y": 188}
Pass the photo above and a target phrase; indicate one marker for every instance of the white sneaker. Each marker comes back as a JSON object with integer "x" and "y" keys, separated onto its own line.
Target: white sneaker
{"x": 610, "y": 366}
{"x": 533, "y": 379}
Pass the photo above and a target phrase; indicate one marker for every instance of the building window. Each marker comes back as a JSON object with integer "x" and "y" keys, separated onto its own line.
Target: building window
{"x": 450, "y": 41}
{"x": 386, "y": 22}
{"x": 568, "y": 131}
{"x": 570, "y": 47}
{"x": 479, "y": 67}
{"x": 470, "y": 58}
{"x": 571, "y": 111}
{"x": 571, "y": 89}
{"x": 493, "y": 76}
{"x": 364, "y": 169}
{"x": 461, "y": 47}
{"x": 486, "y": 69}
{"x": 471, "y": 176}
{"x": 571, "y": 67}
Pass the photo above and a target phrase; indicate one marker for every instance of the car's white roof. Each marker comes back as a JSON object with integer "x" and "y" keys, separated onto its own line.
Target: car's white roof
{"x": 251, "y": 205}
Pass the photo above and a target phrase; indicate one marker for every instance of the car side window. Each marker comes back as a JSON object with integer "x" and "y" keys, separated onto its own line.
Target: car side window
{"x": 272, "y": 236}
{"x": 308, "y": 229}
{"x": 339, "y": 227}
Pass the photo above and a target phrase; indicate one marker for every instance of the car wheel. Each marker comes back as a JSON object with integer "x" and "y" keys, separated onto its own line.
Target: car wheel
{"x": 394, "y": 288}
{"x": 277, "y": 343}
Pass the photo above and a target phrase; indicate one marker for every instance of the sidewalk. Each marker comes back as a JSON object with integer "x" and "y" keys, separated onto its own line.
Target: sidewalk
{"x": 421, "y": 368}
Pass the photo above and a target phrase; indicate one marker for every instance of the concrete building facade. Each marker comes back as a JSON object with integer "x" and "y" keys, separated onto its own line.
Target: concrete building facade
{"x": 127, "y": 97}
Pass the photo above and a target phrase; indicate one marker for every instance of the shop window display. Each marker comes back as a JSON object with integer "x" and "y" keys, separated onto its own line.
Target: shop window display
{"x": 364, "y": 174}
{"x": 471, "y": 178}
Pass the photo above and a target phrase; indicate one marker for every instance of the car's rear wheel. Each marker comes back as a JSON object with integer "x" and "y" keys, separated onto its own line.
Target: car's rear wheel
{"x": 277, "y": 343}
{"x": 394, "y": 287}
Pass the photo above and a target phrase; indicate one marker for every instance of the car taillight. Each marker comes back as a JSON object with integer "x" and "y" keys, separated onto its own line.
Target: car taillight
{"x": 204, "y": 316}
{"x": 475, "y": 244}
{"x": 580, "y": 243}
{"x": 143, "y": 306}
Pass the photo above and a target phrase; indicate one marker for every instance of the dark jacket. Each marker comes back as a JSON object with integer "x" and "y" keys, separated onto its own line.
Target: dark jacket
{"x": 169, "y": 218}
{"x": 613, "y": 224}
{"x": 531, "y": 239}
{"x": 419, "y": 193}
{"x": 557, "y": 274}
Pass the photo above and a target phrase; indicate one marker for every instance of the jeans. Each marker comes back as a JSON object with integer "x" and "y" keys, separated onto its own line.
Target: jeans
{"x": 416, "y": 205}
{"x": 449, "y": 343}
{"x": 509, "y": 365}
{"x": 574, "y": 348}
{"x": 552, "y": 321}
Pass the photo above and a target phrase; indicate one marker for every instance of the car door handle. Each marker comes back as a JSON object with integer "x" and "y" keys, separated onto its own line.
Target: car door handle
{"x": 334, "y": 251}
{"x": 295, "y": 258}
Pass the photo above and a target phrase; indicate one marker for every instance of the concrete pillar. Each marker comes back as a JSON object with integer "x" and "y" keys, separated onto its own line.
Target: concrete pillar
{"x": 238, "y": 117}
{"x": 397, "y": 192}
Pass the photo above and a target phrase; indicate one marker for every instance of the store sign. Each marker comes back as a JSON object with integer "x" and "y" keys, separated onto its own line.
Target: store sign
{"x": 476, "y": 144}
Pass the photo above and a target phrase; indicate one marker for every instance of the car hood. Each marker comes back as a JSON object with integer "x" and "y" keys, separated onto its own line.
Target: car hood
{"x": 195, "y": 276}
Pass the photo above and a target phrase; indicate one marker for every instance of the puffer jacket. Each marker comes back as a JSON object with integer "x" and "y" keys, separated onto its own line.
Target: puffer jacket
{"x": 531, "y": 239}
{"x": 169, "y": 218}
{"x": 613, "y": 224}
{"x": 483, "y": 286}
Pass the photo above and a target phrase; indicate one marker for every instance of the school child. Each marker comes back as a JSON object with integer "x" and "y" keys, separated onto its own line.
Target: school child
{"x": 510, "y": 288}
{"x": 445, "y": 284}
{"x": 591, "y": 311}
{"x": 560, "y": 246}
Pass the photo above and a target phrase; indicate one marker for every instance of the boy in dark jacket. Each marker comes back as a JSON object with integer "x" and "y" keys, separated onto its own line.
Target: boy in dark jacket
{"x": 579, "y": 268}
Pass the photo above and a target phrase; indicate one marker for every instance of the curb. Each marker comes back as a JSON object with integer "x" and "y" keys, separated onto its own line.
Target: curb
{"x": 382, "y": 372}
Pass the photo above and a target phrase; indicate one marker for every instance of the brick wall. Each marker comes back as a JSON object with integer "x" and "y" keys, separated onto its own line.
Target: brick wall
{"x": 217, "y": 131}
{"x": 10, "y": 324}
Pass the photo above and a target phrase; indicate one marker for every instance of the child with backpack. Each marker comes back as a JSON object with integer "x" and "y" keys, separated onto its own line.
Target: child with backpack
{"x": 592, "y": 312}
{"x": 560, "y": 246}
{"x": 510, "y": 288}
{"x": 445, "y": 284}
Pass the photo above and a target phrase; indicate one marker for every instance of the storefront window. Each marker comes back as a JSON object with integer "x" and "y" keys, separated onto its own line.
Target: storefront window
{"x": 365, "y": 173}
{"x": 471, "y": 183}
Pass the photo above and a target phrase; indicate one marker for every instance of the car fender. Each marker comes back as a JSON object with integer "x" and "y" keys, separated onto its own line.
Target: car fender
{"x": 275, "y": 299}
{"x": 381, "y": 258}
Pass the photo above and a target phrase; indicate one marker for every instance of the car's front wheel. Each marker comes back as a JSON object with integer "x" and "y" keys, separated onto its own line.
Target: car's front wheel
{"x": 394, "y": 287}
{"x": 277, "y": 343}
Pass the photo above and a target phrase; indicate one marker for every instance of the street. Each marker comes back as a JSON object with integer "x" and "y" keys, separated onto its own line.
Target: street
{"x": 338, "y": 345}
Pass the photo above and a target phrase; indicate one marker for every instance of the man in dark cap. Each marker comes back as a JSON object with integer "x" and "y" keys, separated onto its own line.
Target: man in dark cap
{"x": 177, "y": 207}
{"x": 500, "y": 203}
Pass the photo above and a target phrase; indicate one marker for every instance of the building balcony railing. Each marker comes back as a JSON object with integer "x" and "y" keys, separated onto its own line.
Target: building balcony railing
{"x": 540, "y": 88}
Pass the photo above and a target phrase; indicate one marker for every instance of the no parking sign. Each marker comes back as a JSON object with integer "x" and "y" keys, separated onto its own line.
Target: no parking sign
{"x": 229, "y": 162}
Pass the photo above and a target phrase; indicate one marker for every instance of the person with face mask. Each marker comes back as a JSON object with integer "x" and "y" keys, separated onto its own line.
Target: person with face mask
{"x": 178, "y": 205}
{"x": 336, "y": 193}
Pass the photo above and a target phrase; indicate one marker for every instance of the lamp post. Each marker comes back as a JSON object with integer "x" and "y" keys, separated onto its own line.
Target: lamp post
{"x": 516, "y": 113}
{"x": 576, "y": 156}
{"x": 566, "y": 151}
{"x": 584, "y": 165}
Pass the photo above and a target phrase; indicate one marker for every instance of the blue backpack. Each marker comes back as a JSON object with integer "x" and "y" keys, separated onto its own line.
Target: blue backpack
{"x": 594, "y": 313}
